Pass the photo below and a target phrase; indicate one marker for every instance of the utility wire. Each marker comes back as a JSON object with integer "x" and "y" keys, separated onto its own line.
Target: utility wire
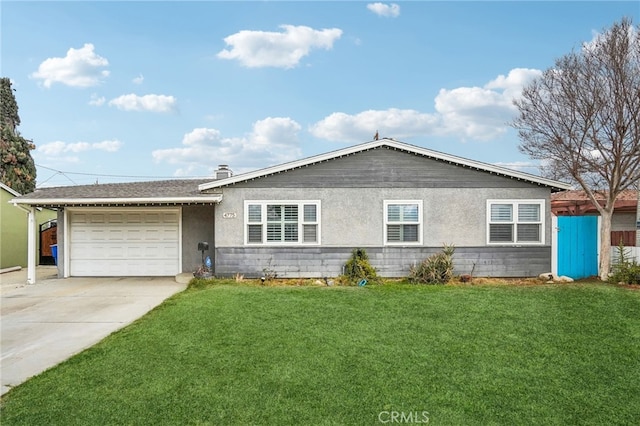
{"x": 114, "y": 176}
{"x": 97, "y": 175}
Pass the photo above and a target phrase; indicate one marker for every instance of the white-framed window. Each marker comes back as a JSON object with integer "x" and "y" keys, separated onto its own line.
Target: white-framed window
{"x": 282, "y": 222}
{"x": 516, "y": 222}
{"x": 402, "y": 222}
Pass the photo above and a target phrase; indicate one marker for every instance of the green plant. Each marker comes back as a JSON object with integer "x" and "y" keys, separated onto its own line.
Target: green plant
{"x": 358, "y": 268}
{"x": 624, "y": 270}
{"x": 269, "y": 273}
{"x": 436, "y": 269}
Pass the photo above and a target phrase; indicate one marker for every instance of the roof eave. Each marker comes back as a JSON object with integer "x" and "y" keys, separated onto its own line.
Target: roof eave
{"x": 115, "y": 201}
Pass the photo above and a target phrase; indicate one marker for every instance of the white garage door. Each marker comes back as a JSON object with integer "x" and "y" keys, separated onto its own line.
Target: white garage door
{"x": 126, "y": 242}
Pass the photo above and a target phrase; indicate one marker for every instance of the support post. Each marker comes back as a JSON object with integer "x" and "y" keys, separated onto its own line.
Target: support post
{"x": 31, "y": 246}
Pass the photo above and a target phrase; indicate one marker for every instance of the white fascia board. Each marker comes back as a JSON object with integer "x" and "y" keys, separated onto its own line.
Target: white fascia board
{"x": 10, "y": 190}
{"x": 392, "y": 144}
{"x": 119, "y": 201}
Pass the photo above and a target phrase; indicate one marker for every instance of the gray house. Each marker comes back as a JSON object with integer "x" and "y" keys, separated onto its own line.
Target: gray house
{"x": 400, "y": 202}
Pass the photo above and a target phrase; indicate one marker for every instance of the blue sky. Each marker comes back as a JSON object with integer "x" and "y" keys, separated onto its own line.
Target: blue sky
{"x": 125, "y": 91}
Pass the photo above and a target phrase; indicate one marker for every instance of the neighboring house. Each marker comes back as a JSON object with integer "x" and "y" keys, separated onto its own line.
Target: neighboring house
{"x": 14, "y": 228}
{"x": 400, "y": 202}
{"x": 623, "y": 221}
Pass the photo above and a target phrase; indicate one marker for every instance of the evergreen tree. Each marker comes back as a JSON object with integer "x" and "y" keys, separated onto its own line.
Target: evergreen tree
{"x": 17, "y": 168}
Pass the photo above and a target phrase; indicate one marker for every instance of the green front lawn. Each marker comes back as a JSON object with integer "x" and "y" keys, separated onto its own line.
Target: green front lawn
{"x": 466, "y": 355}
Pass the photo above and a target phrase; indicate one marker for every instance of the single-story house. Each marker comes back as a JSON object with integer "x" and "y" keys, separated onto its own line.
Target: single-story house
{"x": 14, "y": 230}
{"x": 398, "y": 201}
{"x": 623, "y": 222}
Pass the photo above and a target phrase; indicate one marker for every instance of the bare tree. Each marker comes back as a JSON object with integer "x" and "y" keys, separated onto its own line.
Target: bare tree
{"x": 581, "y": 118}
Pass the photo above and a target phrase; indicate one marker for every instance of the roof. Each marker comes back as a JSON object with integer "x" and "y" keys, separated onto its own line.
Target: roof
{"x": 626, "y": 195}
{"x": 176, "y": 191}
{"x": 391, "y": 144}
{"x": 577, "y": 203}
{"x": 194, "y": 191}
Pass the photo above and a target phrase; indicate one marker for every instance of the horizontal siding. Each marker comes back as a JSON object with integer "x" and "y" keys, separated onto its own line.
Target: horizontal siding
{"x": 312, "y": 262}
{"x": 384, "y": 168}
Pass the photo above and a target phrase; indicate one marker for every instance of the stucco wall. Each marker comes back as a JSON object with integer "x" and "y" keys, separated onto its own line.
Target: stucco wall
{"x": 623, "y": 222}
{"x": 197, "y": 226}
{"x": 355, "y": 216}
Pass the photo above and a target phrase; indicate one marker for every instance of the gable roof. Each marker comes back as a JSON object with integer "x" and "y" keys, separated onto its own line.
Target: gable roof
{"x": 177, "y": 191}
{"x": 390, "y": 144}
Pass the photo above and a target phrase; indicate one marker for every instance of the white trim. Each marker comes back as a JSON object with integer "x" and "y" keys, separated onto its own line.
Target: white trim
{"x": 393, "y": 144}
{"x": 117, "y": 201}
{"x": 386, "y": 204}
{"x": 10, "y": 190}
{"x": 554, "y": 244}
{"x": 515, "y": 203}
{"x": 67, "y": 243}
{"x": 180, "y": 239}
{"x": 70, "y": 210}
{"x": 301, "y": 222}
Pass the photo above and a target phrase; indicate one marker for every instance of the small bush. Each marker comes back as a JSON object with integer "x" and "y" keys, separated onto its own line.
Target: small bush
{"x": 358, "y": 268}
{"x": 625, "y": 271}
{"x": 436, "y": 269}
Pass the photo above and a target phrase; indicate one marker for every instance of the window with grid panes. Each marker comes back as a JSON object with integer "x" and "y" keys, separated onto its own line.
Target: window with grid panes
{"x": 403, "y": 221}
{"x": 515, "y": 221}
{"x": 282, "y": 222}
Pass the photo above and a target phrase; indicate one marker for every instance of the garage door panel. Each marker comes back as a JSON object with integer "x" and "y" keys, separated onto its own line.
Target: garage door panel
{"x": 124, "y": 243}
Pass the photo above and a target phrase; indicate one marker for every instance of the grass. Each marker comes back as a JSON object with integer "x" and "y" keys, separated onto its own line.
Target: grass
{"x": 467, "y": 355}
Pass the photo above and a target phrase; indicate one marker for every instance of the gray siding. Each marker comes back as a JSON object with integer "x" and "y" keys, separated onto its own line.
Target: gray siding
{"x": 197, "y": 226}
{"x": 384, "y": 168}
{"x": 312, "y": 262}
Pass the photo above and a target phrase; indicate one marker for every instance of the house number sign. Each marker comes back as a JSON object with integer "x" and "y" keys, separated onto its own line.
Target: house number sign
{"x": 229, "y": 215}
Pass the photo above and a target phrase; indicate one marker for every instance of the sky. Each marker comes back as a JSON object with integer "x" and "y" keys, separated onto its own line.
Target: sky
{"x": 119, "y": 91}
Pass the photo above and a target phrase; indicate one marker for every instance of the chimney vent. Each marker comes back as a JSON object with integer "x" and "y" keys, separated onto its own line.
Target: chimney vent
{"x": 223, "y": 172}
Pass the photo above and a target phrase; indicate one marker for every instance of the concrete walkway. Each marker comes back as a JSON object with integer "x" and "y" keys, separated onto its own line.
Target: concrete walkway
{"x": 45, "y": 323}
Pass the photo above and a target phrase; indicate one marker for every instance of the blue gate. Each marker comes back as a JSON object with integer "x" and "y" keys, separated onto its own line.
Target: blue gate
{"x": 578, "y": 246}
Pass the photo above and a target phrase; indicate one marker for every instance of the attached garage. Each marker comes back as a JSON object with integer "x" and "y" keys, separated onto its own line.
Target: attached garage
{"x": 123, "y": 242}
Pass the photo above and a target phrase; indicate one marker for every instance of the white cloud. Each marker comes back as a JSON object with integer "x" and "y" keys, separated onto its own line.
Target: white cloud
{"x": 97, "y": 100}
{"x": 285, "y": 49}
{"x": 138, "y": 80}
{"x": 482, "y": 113}
{"x": 393, "y": 122}
{"x": 153, "y": 103}
{"x": 79, "y": 68}
{"x": 58, "y": 147}
{"x": 273, "y": 140}
{"x": 476, "y": 113}
{"x": 521, "y": 166}
{"x": 387, "y": 10}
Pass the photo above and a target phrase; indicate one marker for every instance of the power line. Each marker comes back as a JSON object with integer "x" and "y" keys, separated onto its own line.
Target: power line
{"x": 102, "y": 175}
{"x": 113, "y": 176}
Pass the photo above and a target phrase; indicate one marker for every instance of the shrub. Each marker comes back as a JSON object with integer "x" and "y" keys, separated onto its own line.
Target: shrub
{"x": 436, "y": 269}
{"x": 624, "y": 271}
{"x": 358, "y": 268}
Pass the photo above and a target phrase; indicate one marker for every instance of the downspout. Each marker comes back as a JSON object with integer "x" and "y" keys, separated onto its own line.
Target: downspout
{"x": 31, "y": 242}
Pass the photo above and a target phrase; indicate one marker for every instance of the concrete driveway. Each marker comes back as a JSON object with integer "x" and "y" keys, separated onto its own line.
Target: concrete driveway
{"x": 45, "y": 323}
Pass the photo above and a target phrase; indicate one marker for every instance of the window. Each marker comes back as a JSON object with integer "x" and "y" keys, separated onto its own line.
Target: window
{"x": 282, "y": 222}
{"x": 515, "y": 221}
{"x": 402, "y": 222}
